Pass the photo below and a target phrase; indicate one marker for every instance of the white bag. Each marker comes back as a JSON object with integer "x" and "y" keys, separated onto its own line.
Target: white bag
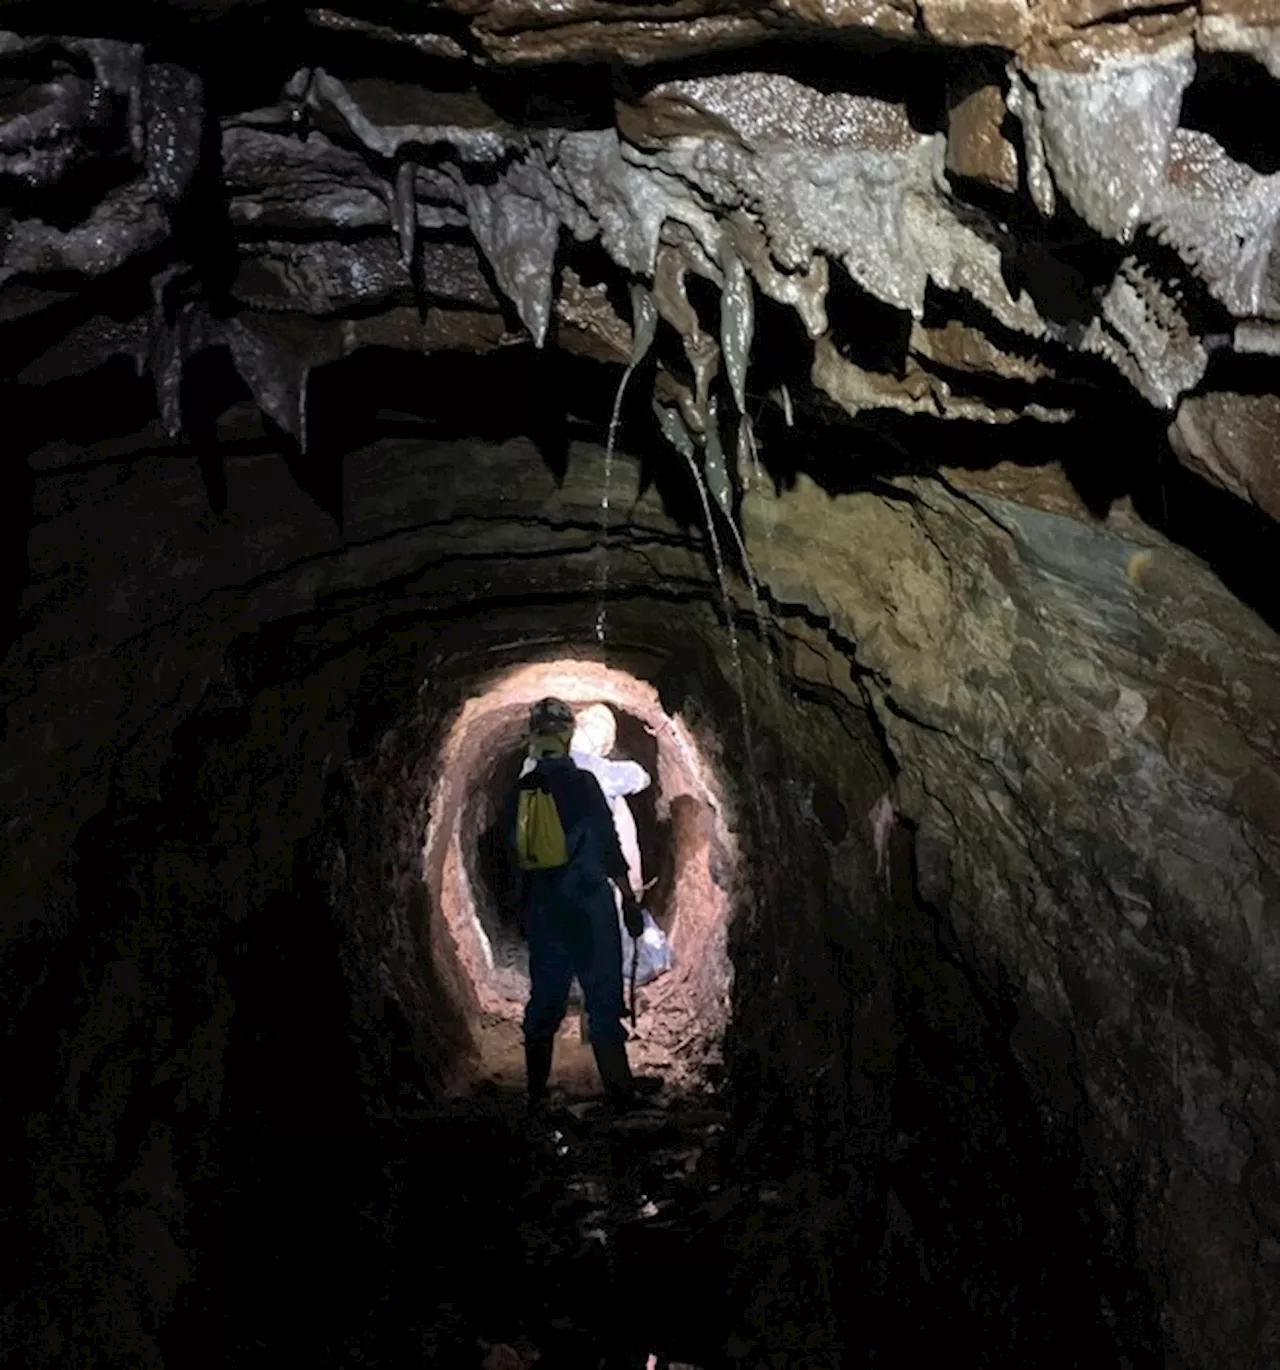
{"x": 651, "y": 952}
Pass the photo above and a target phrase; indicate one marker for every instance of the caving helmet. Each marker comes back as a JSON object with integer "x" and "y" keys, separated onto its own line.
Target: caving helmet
{"x": 552, "y": 716}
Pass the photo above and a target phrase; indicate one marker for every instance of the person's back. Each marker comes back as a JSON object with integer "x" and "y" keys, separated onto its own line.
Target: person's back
{"x": 588, "y": 845}
{"x": 568, "y": 909}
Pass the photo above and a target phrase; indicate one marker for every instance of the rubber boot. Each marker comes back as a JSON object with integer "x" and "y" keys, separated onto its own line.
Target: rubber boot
{"x": 537, "y": 1070}
{"x": 615, "y": 1071}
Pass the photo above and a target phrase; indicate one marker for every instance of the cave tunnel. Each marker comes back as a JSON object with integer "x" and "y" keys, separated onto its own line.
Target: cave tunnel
{"x": 877, "y": 409}
{"x": 683, "y": 854}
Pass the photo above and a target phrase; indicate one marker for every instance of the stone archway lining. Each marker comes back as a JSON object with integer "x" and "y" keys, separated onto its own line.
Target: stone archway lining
{"x": 682, "y": 1015}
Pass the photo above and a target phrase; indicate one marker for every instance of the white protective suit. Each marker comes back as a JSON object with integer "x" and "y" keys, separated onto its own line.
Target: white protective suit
{"x": 617, "y": 779}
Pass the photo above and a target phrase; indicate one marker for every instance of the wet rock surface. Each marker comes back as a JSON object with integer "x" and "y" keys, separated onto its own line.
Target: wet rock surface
{"x": 1080, "y": 179}
{"x": 1118, "y": 740}
{"x": 533, "y": 1246}
{"x": 892, "y": 387}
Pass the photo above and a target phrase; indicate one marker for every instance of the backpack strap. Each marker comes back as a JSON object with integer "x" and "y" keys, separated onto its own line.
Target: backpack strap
{"x": 537, "y": 805}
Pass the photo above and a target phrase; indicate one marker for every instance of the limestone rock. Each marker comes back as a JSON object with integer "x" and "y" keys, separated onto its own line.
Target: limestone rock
{"x": 966, "y": 23}
{"x": 1234, "y": 440}
{"x": 915, "y": 392}
{"x": 1107, "y": 132}
{"x": 976, "y": 145}
{"x": 1241, "y": 26}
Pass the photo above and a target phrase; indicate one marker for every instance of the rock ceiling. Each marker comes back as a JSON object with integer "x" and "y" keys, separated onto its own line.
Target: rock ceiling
{"x": 980, "y": 218}
{"x": 1041, "y": 206}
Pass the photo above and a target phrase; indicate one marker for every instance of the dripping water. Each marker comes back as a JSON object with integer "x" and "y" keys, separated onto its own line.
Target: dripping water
{"x": 718, "y": 556}
{"x": 753, "y": 581}
{"x": 644, "y": 326}
{"x": 679, "y": 438}
{"x": 761, "y": 484}
{"x": 737, "y": 329}
{"x": 602, "y": 578}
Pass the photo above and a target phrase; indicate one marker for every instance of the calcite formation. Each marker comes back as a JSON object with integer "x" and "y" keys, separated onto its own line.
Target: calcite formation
{"x": 952, "y": 325}
{"x": 949, "y": 158}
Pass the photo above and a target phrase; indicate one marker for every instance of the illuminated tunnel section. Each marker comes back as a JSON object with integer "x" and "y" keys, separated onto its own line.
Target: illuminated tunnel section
{"x": 688, "y": 860}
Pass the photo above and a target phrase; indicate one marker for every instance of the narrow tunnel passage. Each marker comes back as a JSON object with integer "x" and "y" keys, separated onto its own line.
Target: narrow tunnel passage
{"x": 846, "y": 1132}
{"x": 689, "y": 847}
{"x": 876, "y": 408}
{"x": 848, "y": 1163}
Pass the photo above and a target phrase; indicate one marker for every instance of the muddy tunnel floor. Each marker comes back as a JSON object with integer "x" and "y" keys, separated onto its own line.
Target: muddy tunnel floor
{"x": 576, "y": 1240}
{"x": 675, "y": 1236}
{"x": 597, "y": 1244}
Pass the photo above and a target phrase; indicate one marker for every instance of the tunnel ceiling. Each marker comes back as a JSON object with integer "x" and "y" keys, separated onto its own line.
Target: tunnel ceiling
{"x": 980, "y": 211}
{"x": 928, "y": 297}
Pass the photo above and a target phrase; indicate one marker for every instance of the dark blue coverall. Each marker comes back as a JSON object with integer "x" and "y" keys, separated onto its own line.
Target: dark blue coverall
{"x": 569, "y": 914}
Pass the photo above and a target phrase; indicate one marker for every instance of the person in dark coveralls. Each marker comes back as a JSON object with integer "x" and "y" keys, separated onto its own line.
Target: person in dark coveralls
{"x": 569, "y": 915}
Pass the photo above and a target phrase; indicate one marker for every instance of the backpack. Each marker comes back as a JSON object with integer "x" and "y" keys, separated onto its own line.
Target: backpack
{"x": 540, "y": 842}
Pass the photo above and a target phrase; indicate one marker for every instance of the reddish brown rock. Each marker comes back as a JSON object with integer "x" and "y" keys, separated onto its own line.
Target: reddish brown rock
{"x": 961, "y": 347}
{"x": 1234, "y": 440}
{"x": 970, "y": 23}
{"x": 976, "y": 145}
{"x": 587, "y": 322}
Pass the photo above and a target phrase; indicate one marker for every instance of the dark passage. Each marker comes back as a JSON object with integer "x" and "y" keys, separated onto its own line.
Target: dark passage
{"x": 879, "y": 406}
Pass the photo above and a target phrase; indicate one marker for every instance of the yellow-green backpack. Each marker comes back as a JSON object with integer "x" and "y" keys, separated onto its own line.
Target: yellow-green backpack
{"x": 540, "y": 843}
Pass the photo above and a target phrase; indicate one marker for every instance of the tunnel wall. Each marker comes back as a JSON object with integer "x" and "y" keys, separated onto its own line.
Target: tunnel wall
{"x": 184, "y": 700}
{"x": 219, "y": 761}
{"x": 1084, "y": 721}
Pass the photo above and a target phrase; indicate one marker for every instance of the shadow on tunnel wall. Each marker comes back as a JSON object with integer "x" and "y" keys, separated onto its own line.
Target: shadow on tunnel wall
{"x": 229, "y": 1044}
{"x": 922, "y": 1203}
{"x": 207, "y": 1008}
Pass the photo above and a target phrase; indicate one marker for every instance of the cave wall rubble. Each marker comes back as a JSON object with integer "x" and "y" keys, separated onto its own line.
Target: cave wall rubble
{"x": 1099, "y": 762}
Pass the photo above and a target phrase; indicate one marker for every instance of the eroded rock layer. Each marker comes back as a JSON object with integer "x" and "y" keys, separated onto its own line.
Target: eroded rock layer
{"x": 1090, "y": 191}
{"x": 909, "y": 309}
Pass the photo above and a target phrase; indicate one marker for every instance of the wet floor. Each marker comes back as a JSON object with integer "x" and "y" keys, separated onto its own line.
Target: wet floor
{"x": 478, "y": 1240}
{"x": 793, "y": 1239}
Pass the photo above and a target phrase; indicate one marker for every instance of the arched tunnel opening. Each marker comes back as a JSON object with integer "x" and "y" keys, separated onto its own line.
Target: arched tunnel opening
{"x": 674, "y": 834}
{"x": 875, "y": 414}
